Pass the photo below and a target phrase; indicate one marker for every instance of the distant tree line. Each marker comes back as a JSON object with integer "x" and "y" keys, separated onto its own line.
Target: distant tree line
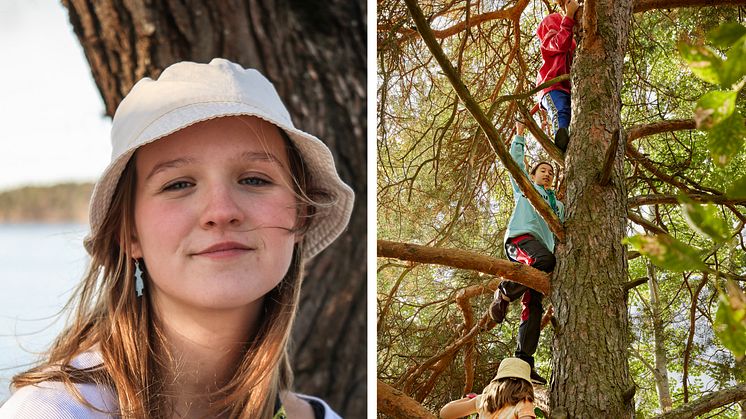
{"x": 65, "y": 202}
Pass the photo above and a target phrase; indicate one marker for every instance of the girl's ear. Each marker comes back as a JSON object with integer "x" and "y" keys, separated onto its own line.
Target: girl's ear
{"x": 135, "y": 251}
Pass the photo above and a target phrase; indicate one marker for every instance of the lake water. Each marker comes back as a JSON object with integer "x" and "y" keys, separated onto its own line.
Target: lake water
{"x": 40, "y": 264}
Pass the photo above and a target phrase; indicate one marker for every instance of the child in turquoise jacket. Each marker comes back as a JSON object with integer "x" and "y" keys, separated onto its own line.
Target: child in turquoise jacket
{"x": 528, "y": 240}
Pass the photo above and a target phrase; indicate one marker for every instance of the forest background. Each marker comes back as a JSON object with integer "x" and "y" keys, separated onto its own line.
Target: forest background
{"x": 650, "y": 328}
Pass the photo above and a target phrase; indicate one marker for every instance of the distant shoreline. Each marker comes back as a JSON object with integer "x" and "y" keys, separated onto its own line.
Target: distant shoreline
{"x": 56, "y": 204}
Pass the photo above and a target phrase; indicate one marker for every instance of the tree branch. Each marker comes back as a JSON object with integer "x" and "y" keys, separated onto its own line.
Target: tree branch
{"x": 464, "y": 259}
{"x": 707, "y": 403}
{"x": 645, "y": 223}
{"x": 636, "y": 283}
{"x": 605, "y": 176}
{"x": 526, "y": 187}
{"x": 654, "y": 199}
{"x": 511, "y": 13}
{"x": 396, "y": 404}
{"x": 541, "y": 137}
{"x": 645, "y": 5}
{"x": 644, "y": 130}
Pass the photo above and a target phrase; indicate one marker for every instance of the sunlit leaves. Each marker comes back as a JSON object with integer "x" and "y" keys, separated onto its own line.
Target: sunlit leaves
{"x": 737, "y": 189}
{"x": 667, "y": 253}
{"x": 704, "y": 218}
{"x": 730, "y": 320}
{"x": 703, "y": 61}
{"x": 716, "y": 110}
{"x": 713, "y": 108}
{"x": 726, "y": 139}
{"x": 726, "y": 34}
{"x": 734, "y": 68}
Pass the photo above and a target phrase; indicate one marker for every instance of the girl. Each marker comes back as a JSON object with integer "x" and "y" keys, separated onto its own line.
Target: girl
{"x": 199, "y": 230}
{"x": 508, "y": 396}
{"x": 528, "y": 240}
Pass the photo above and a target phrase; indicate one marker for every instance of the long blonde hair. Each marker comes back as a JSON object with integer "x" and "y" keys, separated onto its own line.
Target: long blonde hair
{"x": 107, "y": 315}
{"x": 507, "y": 391}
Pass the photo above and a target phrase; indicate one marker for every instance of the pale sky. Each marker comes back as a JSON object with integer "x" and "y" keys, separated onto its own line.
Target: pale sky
{"x": 52, "y": 123}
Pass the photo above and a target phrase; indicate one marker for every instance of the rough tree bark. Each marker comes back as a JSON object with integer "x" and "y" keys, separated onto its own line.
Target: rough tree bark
{"x": 590, "y": 375}
{"x": 314, "y": 52}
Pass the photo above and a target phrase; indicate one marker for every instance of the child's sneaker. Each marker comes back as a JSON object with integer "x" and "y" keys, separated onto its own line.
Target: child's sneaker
{"x": 499, "y": 306}
{"x": 562, "y": 139}
{"x": 537, "y": 379}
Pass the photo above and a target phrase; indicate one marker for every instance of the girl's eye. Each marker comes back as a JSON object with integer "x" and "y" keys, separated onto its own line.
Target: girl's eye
{"x": 177, "y": 186}
{"x": 254, "y": 181}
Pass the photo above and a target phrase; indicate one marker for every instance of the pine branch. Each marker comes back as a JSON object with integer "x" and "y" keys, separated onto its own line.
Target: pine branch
{"x": 464, "y": 259}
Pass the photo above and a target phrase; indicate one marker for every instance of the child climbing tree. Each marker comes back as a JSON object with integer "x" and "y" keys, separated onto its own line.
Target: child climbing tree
{"x": 443, "y": 185}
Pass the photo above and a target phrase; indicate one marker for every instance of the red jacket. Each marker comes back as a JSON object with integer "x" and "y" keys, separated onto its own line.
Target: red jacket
{"x": 557, "y": 47}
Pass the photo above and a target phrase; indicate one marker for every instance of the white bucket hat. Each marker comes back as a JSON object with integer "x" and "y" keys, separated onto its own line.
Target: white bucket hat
{"x": 513, "y": 368}
{"x": 187, "y": 93}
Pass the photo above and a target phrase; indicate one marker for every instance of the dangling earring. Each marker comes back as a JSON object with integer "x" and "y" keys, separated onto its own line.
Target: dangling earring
{"x": 139, "y": 283}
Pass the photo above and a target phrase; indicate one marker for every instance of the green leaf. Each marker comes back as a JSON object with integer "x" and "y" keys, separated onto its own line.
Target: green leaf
{"x": 704, "y": 62}
{"x": 705, "y": 219}
{"x": 539, "y": 413}
{"x": 734, "y": 68}
{"x": 737, "y": 190}
{"x": 730, "y": 320}
{"x": 714, "y": 107}
{"x": 726, "y": 34}
{"x": 668, "y": 253}
{"x": 726, "y": 139}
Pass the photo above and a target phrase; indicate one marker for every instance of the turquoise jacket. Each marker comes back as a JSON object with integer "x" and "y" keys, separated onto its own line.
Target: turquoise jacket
{"x": 525, "y": 219}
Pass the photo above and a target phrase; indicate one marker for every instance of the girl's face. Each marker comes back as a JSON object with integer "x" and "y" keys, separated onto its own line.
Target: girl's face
{"x": 214, "y": 213}
{"x": 543, "y": 175}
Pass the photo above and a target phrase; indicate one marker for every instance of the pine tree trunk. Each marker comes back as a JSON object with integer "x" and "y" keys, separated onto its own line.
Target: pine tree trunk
{"x": 660, "y": 372}
{"x": 590, "y": 376}
{"x": 314, "y": 53}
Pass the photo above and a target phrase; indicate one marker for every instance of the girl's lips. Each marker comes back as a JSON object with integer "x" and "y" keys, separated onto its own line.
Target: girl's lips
{"x": 224, "y": 249}
{"x": 226, "y": 253}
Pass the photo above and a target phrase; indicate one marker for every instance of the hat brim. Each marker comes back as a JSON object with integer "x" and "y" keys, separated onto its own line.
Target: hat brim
{"x": 317, "y": 159}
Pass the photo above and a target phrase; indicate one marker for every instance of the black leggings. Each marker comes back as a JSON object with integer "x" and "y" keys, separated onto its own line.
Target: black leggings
{"x": 532, "y": 252}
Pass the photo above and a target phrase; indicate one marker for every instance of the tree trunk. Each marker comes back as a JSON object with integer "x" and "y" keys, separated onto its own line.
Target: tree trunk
{"x": 314, "y": 53}
{"x": 660, "y": 372}
{"x": 590, "y": 375}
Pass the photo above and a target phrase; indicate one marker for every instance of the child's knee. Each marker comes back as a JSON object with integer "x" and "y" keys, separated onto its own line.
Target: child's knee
{"x": 545, "y": 262}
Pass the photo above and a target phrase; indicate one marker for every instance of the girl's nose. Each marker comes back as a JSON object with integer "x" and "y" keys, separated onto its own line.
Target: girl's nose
{"x": 221, "y": 208}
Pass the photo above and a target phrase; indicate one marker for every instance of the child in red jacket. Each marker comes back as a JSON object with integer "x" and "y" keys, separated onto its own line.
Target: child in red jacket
{"x": 557, "y": 47}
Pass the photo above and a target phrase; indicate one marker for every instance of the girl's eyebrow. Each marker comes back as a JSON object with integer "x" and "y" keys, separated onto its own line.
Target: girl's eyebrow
{"x": 184, "y": 161}
{"x": 261, "y": 156}
{"x": 169, "y": 164}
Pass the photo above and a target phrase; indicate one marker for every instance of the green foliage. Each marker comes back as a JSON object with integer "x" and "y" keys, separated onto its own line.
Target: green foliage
{"x": 716, "y": 110}
{"x": 726, "y": 34}
{"x": 704, "y": 62}
{"x": 730, "y": 326}
{"x": 667, "y": 252}
{"x": 705, "y": 219}
{"x": 727, "y": 138}
{"x": 737, "y": 189}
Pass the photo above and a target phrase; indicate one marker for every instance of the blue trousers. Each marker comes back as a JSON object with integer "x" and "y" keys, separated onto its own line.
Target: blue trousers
{"x": 557, "y": 104}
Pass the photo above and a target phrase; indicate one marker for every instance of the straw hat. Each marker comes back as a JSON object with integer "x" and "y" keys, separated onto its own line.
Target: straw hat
{"x": 513, "y": 368}
{"x": 187, "y": 93}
